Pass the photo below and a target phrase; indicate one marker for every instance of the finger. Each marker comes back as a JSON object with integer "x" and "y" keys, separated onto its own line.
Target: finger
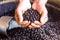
{"x": 44, "y": 21}
{"x": 16, "y": 18}
{"x": 25, "y": 23}
{"x": 30, "y": 26}
{"x": 34, "y": 25}
{"x": 20, "y": 17}
{"x": 37, "y": 22}
{"x": 44, "y": 16}
{"x": 28, "y": 23}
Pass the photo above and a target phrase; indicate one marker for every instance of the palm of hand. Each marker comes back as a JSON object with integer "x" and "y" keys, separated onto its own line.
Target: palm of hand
{"x": 25, "y": 5}
{"x": 21, "y": 8}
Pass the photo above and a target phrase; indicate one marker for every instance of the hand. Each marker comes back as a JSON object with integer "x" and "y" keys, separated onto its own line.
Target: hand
{"x": 35, "y": 24}
{"x": 21, "y": 8}
{"x": 39, "y": 5}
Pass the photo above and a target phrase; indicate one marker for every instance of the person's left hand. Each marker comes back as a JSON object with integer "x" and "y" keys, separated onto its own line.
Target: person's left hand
{"x": 23, "y": 6}
{"x": 39, "y": 5}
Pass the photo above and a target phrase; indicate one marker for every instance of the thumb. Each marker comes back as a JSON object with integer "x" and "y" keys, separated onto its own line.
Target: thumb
{"x": 43, "y": 20}
{"x": 20, "y": 17}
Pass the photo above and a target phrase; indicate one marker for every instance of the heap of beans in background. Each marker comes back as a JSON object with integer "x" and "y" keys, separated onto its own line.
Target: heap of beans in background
{"x": 49, "y": 31}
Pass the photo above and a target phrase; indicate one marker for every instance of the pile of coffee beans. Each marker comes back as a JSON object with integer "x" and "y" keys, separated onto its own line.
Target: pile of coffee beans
{"x": 46, "y": 32}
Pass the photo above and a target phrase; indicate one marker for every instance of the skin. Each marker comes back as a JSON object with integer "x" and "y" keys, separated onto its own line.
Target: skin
{"x": 38, "y": 5}
{"x": 21, "y": 8}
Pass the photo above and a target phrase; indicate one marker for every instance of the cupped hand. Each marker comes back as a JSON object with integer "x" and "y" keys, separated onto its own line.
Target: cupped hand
{"x": 39, "y": 5}
{"x": 35, "y": 24}
{"x": 21, "y": 8}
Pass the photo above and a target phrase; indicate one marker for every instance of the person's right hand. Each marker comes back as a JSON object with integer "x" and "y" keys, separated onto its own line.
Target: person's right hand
{"x": 21, "y": 8}
{"x": 39, "y": 5}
